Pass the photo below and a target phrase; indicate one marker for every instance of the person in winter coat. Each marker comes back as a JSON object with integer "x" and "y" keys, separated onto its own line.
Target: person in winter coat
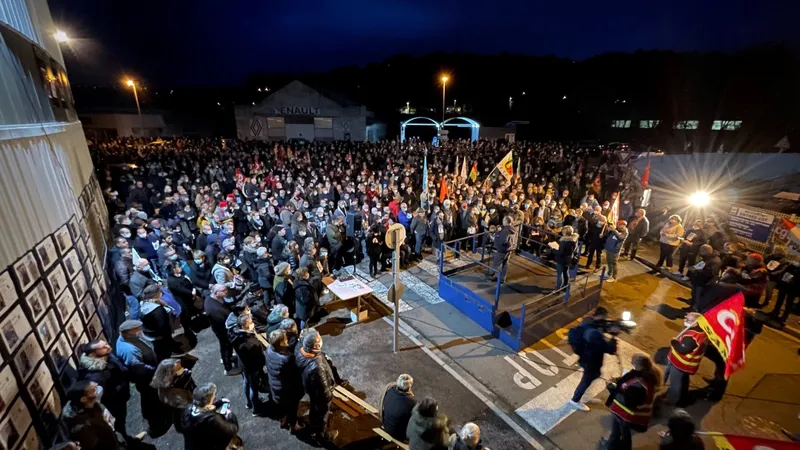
{"x": 564, "y": 255}
{"x": 174, "y": 385}
{"x": 504, "y": 243}
{"x": 427, "y": 429}
{"x": 306, "y": 299}
{"x": 469, "y": 438}
{"x": 123, "y": 269}
{"x": 686, "y": 352}
{"x": 146, "y": 245}
{"x": 248, "y": 257}
{"x": 592, "y": 348}
{"x": 285, "y": 383}
{"x": 335, "y": 233}
{"x": 680, "y": 434}
{"x": 614, "y": 238}
{"x": 265, "y": 274}
{"x": 250, "y": 351}
{"x": 375, "y": 243}
{"x": 217, "y": 307}
{"x": 403, "y": 217}
{"x": 670, "y": 237}
{"x": 141, "y": 278}
{"x": 157, "y": 323}
{"x": 283, "y": 287}
{"x": 594, "y": 239}
{"x": 438, "y": 233}
{"x": 631, "y": 401}
{"x": 638, "y": 227}
{"x": 200, "y": 271}
{"x": 704, "y": 274}
{"x": 87, "y": 421}
{"x": 396, "y": 407}
{"x": 208, "y": 423}
{"x": 419, "y": 228}
{"x": 279, "y": 242}
{"x": 693, "y": 238}
{"x": 753, "y": 276}
{"x": 319, "y": 383}
{"x": 184, "y": 292}
{"x": 276, "y": 316}
{"x": 99, "y": 364}
{"x": 716, "y": 238}
{"x": 775, "y": 263}
{"x": 788, "y": 293}
{"x": 291, "y": 255}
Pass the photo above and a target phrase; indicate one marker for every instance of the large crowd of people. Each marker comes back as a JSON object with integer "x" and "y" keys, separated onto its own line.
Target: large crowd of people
{"x": 241, "y": 237}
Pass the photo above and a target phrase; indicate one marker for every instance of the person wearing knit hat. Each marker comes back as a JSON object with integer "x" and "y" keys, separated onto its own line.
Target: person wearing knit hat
{"x": 319, "y": 383}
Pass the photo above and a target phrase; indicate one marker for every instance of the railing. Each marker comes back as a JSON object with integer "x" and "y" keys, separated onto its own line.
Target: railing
{"x": 545, "y": 237}
{"x": 472, "y": 241}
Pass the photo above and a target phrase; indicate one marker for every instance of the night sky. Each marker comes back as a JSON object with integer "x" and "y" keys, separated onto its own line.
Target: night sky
{"x": 219, "y": 43}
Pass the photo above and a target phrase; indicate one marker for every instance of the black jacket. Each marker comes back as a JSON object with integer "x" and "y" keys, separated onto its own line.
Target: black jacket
{"x": 566, "y": 249}
{"x": 640, "y": 230}
{"x": 284, "y": 294}
{"x": 217, "y": 313}
{"x": 201, "y": 276}
{"x": 306, "y": 299}
{"x": 316, "y": 374}
{"x": 277, "y": 245}
{"x": 264, "y": 273}
{"x": 397, "y": 407}
{"x": 156, "y": 323}
{"x": 111, "y": 374}
{"x": 503, "y": 239}
{"x": 595, "y": 346}
{"x": 181, "y": 287}
{"x": 709, "y": 273}
{"x": 285, "y": 383}
{"x": 248, "y": 349}
{"x": 207, "y": 430}
{"x": 89, "y": 428}
{"x": 427, "y": 433}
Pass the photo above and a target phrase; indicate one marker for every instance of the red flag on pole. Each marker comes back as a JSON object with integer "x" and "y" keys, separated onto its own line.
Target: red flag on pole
{"x": 596, "y": 183}
{"x": 646, "y": 176}
{"x": 724, "y": 326}
{"x": 443, "y": 190}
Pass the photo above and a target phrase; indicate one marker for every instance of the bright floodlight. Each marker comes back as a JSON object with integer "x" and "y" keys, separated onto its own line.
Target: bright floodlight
{"x": 626, "y": 315}
{"x": 699, "y": 198}
{"x": 61, "y": 36}
{"x": 129, "y": 83}
{"x": 445, "y": 78}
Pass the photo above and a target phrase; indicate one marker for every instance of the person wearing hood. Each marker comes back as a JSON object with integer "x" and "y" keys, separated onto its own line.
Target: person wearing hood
{"x": 283, "y": 287}
{"x": 208, "y": 423}
{"x": 306, "y": 298}
{"x": 88, "y": 422}
{"x": 565, "y": 256}
{"x": 318, "y": 382}
{"x": 285, "y": 383}
{"x": 99, "y": 364}
{"x": 174, "y": 386}
{"x": 156, "y": 322}
{"x": 615, "y": 237}
{"x": 638, "y": 227}
{"x": 428, "y": 429}
{"x": 250, "y": 348}
{"x": 218, "y": 307}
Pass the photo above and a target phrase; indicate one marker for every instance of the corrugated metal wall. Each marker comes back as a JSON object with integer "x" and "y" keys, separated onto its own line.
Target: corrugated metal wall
{"x": 42, "y": 177}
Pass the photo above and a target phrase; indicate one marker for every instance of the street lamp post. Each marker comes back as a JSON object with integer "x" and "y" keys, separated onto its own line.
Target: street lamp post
{"x": 132, "y": 84}
{"x": 444, "y": 87}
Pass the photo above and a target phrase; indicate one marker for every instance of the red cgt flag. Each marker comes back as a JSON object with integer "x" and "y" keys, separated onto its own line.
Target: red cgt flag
{"x": 734, "y": 442}
{"x": 443, "y": 191}
{"x": 724, "y": 326}
{"x": 646, "y": 176}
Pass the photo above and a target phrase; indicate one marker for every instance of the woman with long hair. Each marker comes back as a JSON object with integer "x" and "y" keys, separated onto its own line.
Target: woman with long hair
{"x": 174, "y": 385}
{"x": 631, "y": 401}
{"x": 670, "y": 238}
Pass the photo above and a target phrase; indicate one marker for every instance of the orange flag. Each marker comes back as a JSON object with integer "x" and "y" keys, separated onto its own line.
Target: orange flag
{"x": 443, "y": 190}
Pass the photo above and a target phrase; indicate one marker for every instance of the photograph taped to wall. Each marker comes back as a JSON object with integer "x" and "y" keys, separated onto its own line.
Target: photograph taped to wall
{"x": 52, "y": 405}
{"x": 38, "y": 300}
{"x": 74, "y": 328}
{"x": 31, "y": 440}
{"x": 90, "y": 250}
{"x": 8, "y": 293}
{"x": 72, "y": 264}
{"x": 79, "y": 286}
{"x": 82, "y": 228}
{"x": 95, "y": 328}
{"x": 13, "y": 328}
{"x": 57, "y": 280}
{"x": 48, "y": 328}
{"x": 87, "y": 308}
{"x": 41, "y": 383}
{"x": 80, "y": 247}
{"x": 8, "y": 389}
{"x": 60, "y": 353}
{"x": 76, "y": 349}
{"x": 63, "y": 240}
{"x": 65, "y": 306}
{"x": 27, "y": 271}
{"x": 17, "y": 421}
{"x": 46, "y": 253}
{"x": 98, "y": 293}
{"x": 74, "y": 232}
{"x": 28, "y": 356}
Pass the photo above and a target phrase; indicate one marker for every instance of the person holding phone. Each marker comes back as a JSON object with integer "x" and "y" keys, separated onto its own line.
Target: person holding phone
{"x": 208, "y": 423}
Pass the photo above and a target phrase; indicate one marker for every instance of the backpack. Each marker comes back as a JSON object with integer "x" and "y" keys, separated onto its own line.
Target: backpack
{"x": 575, "y": 337}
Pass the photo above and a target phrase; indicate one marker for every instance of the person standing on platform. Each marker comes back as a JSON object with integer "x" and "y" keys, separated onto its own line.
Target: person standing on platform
{"x": 615, "y": 238}
{"x": 504, "y": 240}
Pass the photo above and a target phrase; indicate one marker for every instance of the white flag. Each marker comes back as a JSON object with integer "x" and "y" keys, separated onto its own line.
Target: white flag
{"x": 464, "y": 169}
{"x": 455, "y": 169}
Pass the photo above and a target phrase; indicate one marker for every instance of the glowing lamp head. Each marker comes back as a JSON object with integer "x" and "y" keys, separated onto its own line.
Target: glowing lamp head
{"x": 626, "y": 315}
{"x": 61, "y": 36}
{"x": 445, "y": 78}
{"x": 129, "y": 83}
{"x": 699, "y": 198}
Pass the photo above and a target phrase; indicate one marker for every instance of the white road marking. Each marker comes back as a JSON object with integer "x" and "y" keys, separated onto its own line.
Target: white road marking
{"x": 569, "y": 360}
{"x": 523, "y": 378}
{"x": 433, "y": 354}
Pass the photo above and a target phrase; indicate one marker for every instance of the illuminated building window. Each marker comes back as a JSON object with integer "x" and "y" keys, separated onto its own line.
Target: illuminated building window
{"x": 727, "y": 125}
{"x": 323, "y": 122}
{"x": 620, "y": 124}
{"x": 687, "y": 124}
{"x": 275, "y": 122}
{"x": 649, "y": 123}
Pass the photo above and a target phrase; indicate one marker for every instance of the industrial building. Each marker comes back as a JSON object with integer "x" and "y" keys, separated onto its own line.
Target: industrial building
{"x": 299, "y": 112}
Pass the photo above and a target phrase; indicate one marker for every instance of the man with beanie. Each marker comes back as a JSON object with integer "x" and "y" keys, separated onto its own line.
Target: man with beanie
{"x": 319, "y": 384}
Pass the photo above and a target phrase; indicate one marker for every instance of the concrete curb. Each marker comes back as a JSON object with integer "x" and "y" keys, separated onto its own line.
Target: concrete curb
{"x": 794, "y": 332}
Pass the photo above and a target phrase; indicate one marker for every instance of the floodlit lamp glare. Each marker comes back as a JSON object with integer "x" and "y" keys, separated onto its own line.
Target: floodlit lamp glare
{"x": 129, "y": 83}
{"x": 61, "y": 36}
{"x": 626, "y": 315}
{"x": 699, "y": 198}
{"x": 445, "y": 78}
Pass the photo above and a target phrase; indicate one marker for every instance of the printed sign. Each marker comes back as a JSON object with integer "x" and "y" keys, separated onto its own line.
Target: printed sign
{"x": 749, "y": 223}
{"x": 788, "y": 234}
